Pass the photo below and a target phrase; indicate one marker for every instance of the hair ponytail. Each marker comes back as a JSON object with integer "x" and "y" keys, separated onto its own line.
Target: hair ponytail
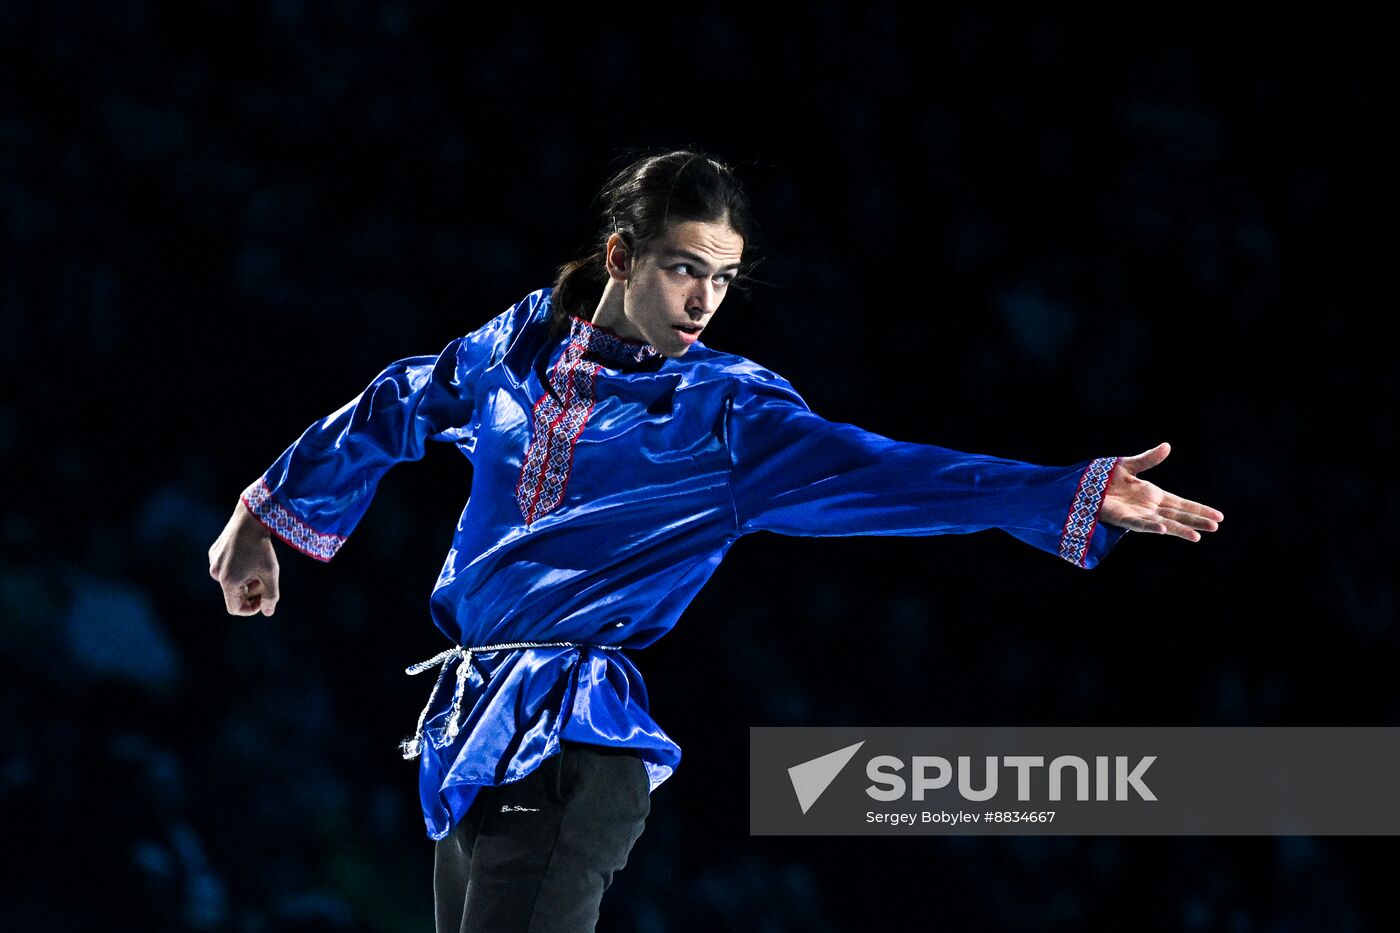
{"x": 578, "y": 287}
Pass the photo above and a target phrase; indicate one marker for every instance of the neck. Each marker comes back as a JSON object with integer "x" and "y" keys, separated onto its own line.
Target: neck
{"x": 610, "y": 313}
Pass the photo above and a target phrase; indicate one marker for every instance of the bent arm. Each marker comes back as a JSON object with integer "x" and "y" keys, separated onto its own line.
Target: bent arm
{"x": 316, "y": 492}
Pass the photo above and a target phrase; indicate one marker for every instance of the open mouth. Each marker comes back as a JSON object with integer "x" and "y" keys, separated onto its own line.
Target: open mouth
{"x": 687, "y": 328}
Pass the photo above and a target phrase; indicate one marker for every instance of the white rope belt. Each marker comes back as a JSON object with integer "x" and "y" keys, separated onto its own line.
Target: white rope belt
{"x": 412, "y": 747}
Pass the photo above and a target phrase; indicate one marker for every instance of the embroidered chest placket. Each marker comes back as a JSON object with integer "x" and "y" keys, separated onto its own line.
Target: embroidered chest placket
{"x": 558, "y": 417}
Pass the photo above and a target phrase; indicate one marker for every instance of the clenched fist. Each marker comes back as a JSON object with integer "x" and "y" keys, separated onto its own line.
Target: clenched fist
{"x": 243, "y": 562}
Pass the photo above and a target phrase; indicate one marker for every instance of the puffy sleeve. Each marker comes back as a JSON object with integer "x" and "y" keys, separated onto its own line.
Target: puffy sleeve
{"x": 796, "y": 473}
{"x": 315, "y": 493}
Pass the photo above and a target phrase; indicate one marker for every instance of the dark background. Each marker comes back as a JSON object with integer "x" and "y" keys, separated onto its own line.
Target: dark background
{"x": 1048, "y": 238}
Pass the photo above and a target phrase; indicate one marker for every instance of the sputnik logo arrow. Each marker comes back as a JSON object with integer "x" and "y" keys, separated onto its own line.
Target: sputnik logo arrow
{"x": 811, "y": 778}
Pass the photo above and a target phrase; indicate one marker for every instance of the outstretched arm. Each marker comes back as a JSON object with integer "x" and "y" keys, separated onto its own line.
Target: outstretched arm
{"x": 1134, "y": 504}
{"x": 797, "y": 473}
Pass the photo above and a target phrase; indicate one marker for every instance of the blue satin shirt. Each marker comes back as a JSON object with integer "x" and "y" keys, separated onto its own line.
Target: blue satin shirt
{"x": 609, "y": 482}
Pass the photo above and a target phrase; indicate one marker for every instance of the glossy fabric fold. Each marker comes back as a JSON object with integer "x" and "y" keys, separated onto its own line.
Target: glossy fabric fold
{"x": 642, "y": 474}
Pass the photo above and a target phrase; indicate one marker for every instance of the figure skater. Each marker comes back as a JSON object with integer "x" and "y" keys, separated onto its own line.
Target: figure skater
{"x": 616, "y": 458}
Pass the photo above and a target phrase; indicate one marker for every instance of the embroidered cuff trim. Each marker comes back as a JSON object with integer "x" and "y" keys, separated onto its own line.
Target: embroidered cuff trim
{"x": 285, "y": 525}
{"x": 1084, "y": 512}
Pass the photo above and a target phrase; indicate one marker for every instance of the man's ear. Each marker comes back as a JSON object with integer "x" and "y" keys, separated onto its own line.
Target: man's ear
{"x": 618, "y": 258}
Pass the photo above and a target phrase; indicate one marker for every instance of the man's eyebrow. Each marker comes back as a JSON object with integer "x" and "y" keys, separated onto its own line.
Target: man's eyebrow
{"x": 698, "y": 260}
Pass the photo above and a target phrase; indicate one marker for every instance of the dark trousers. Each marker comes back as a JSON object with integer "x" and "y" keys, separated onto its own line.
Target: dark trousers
{"x": 537, "y": 855}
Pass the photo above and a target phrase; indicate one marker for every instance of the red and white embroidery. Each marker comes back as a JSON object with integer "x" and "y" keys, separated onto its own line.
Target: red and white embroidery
{"x": 1084, "y": 511}
{"x": 313, "y": 543}
{"x": 558, "y": 417}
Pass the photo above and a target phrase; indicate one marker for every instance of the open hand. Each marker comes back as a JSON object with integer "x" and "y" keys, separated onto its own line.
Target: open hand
{"x": 1137, "y": 505}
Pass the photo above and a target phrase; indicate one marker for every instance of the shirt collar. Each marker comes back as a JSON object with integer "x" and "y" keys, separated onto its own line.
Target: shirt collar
{"x": 606, "y": 345}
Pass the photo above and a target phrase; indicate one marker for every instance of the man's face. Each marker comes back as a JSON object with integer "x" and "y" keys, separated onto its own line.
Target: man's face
{"x": 677, "y": 283}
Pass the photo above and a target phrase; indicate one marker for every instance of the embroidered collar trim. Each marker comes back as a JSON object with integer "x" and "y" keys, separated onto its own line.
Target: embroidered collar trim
{"x": 606, "y": 345}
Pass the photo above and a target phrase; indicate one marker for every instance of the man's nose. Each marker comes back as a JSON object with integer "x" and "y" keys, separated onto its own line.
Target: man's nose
{"x": 703, "y": 299}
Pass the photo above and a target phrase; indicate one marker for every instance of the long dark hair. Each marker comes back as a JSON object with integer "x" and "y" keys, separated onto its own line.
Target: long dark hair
{"x": 638, "y": 203}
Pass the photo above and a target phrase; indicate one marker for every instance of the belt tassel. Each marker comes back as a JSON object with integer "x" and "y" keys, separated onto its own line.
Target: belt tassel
{"x": 412, "y": 747}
